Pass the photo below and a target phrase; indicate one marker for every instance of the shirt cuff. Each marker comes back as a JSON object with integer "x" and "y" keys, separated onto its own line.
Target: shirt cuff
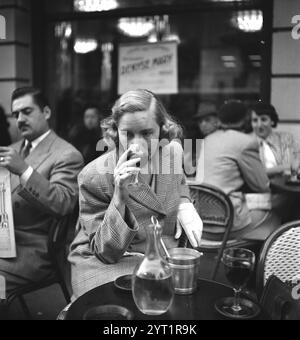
{"x": 26, "y": 175}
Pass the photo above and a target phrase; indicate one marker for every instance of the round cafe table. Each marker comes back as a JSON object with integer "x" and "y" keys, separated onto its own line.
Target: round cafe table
{"x": 280, "y": 185}
{"x": 197, "y": 306}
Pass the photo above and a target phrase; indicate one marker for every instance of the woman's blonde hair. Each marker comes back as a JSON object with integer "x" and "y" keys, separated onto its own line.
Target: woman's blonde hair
{"x": 137, "y": 101}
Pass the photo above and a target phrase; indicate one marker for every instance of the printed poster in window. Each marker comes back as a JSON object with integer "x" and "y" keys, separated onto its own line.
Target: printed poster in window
{"x": 148, "y": 66}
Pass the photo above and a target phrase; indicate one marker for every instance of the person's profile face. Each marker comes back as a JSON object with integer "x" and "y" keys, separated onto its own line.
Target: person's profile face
{"x": 261, "y": 125}
{"x": 91, "y": 119}
{"x": 139, "y": 128}
{"x": 32, "y": 121}
{"x": 208, "y": 125}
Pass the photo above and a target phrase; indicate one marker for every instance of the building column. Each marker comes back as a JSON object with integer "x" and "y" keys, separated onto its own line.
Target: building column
{"x": 285, "y": 78}
{"x": 15, "y": 52}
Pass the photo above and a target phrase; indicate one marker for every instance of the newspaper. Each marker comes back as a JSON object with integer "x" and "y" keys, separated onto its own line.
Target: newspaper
{"x": 7, "y": 231}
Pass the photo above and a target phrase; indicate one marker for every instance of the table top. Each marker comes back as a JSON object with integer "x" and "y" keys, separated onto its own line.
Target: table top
{"x": 196, "y": 306}
{"x": 279, "y": 184}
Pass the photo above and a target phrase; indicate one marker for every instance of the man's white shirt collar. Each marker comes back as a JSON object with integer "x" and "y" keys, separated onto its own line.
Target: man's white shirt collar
{"x": 38, "y": 140}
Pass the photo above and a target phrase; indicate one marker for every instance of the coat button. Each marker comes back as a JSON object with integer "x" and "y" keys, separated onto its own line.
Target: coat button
{"x": 17, "y": 205}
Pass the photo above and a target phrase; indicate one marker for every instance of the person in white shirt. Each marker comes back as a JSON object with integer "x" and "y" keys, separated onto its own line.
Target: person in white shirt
{"x": 277, "y": 148}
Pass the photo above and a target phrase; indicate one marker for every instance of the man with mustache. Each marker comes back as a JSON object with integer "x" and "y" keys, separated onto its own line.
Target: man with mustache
{"x": 44, "y": 171}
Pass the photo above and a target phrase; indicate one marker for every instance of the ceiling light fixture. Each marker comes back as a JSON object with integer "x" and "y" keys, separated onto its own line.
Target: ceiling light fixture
{"x": 136, "y": 27}
{"x": 248, "y": 21}
{"x": 84, "y": 46}
{"x": 95, "y": 5}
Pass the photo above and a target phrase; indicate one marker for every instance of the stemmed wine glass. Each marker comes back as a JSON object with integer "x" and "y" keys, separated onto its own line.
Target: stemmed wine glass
{"x": 239, "y": 264}
{"x": 135, "y": 153}
{"x": 295, "y": 165}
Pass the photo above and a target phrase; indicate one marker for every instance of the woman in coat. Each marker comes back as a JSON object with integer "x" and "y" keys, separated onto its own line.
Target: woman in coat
{"x": 111, "y": 236}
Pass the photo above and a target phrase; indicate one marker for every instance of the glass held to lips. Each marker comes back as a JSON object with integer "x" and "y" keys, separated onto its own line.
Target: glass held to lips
{"x": 135, "y": 152}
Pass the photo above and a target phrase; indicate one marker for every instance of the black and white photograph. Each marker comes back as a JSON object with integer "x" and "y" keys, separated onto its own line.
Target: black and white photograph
{"x": 149, "y": 163}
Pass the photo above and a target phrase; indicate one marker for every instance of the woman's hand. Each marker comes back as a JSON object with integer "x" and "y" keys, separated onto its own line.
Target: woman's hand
{"x": 123, "y": 173}
{"x": 189, "y": 220}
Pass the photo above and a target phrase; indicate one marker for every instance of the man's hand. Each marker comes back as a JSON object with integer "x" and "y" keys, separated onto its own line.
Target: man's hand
{"x": 12, "y": 161}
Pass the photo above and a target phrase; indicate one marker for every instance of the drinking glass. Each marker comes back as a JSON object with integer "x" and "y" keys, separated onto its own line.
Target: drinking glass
{"x": 136, "y": 153}
{"x": 239, "y": 264}
{"x": 295, "y": 164}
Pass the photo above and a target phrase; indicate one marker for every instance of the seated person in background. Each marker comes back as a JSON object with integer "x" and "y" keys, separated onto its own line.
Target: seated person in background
{"x": 231, "y": 163}
{"x": 207, "y": 119}
{"x": 276, "y": 147}
{"x": 208, "y": 122}
{"x": 44, "y": 171}
{"x": 113, "y": 213}
{"x": 86, "y": 136}
{"x": 4, "y": 133}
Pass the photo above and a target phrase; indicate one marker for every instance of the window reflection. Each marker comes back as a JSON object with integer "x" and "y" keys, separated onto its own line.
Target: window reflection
{"x": 216, "y": 61}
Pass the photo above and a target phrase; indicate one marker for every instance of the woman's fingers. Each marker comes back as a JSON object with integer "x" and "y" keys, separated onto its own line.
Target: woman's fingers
{"x": 130, "y": 152}
{"x": 192, "y": 239}
{"x": 122, "y": 179}
{"x": 197, "y": 237}
{"x": 131, "y": 170}
{"x": 124, "y": 157}
{"x": 178, "y": 230}
{"x": 127, "y": 164}
{"x": 122, "y": 175}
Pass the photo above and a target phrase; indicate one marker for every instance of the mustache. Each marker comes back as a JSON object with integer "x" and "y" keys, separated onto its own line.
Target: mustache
{"x": 21, "y": 125}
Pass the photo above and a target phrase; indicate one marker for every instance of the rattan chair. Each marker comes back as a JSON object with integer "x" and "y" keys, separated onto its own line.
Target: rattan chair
{"x": 216, "y": 210}
{"x": 56, "y": 249}
{"x": 280, "y": 256}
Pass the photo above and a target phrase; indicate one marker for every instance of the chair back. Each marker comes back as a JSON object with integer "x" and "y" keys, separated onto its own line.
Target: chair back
{"x": 216, "y": 210}
{"x": 280, "y": 256}
{"x": 58, "y": 234}
{"x": 214, "y": 207}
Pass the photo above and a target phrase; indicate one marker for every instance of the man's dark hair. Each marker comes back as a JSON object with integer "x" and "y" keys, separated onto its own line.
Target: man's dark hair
{"x": 233, "y": 112}
{"x": 37, "y": 95}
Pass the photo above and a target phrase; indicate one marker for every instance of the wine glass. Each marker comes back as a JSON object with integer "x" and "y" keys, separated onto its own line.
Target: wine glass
{"x": 135, "y": 153}
{"x": 239, "y": 264}
{"x": 295, "y": 164}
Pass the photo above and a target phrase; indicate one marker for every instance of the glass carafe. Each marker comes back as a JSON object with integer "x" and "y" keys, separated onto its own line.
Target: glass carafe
{"x": 152, "y": 286}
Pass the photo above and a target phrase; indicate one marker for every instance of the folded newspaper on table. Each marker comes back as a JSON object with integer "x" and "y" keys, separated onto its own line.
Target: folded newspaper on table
{"x": 7, "y": 231}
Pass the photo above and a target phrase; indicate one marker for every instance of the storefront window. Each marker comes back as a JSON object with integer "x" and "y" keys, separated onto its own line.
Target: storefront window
{"x": 217, "y": 60}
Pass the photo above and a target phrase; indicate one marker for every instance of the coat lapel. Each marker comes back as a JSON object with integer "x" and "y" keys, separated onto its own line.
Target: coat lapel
{"x": 144, "y": 195}
{"x": 35, "y": 158}
{"x": 162, "y": 168}
{"x": 41, "y": 152}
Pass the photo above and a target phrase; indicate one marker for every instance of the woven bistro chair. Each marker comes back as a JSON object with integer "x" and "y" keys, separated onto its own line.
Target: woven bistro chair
{"x": 216, "y": 210}
{"x": 57, "y": 241}
{"x": 280, "y": 256}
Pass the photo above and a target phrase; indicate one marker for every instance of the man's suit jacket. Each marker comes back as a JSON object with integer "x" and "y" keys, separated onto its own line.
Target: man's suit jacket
{"x": 231, "y": 163}
{"x": 98, "y": 251}
{"x": 50, "y": 192}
